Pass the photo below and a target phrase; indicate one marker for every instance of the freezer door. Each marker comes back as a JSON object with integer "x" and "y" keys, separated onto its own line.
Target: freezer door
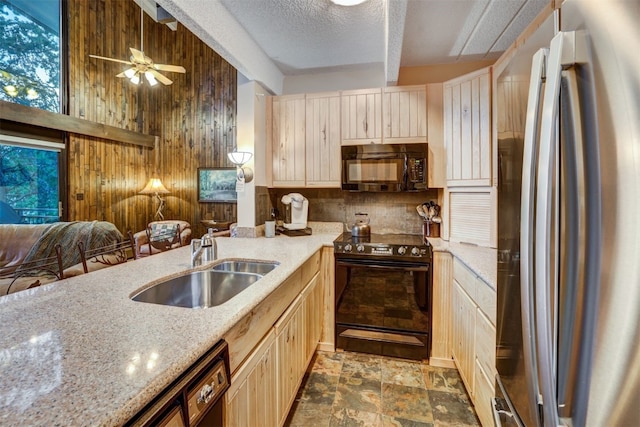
{"x": 612, "y": 37}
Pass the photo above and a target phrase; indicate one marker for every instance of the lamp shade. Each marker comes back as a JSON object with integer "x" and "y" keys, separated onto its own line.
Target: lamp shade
{"x": 154, "y": 186}
{"x": 239, "y": 158}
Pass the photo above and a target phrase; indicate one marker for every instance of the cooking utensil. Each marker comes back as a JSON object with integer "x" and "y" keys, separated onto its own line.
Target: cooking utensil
{"x": 421, "y": 212}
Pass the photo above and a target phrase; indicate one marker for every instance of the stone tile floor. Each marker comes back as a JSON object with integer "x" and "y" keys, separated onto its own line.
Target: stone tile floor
{"x": 354, "y": 389}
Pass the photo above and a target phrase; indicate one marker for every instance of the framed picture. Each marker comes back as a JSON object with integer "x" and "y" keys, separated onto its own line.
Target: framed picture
{"x": 217, "y": 185}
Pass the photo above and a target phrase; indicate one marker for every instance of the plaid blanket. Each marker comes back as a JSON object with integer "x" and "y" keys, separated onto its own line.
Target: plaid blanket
{"x": 94, "y": 234}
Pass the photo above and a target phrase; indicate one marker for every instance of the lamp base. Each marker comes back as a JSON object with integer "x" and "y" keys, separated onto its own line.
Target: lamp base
{"x": 160, "y": 207}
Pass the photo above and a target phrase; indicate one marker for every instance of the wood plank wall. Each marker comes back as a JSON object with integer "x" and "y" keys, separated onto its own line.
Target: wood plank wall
{"x": 195, "y": 118}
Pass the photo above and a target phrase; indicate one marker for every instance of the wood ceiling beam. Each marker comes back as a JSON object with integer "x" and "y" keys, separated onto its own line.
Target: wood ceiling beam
{"x": 46, "y": 119}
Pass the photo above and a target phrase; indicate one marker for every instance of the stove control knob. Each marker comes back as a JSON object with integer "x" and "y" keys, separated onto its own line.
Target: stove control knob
{"x": 402, "y": 250}
{"x": 360, "y": 248}
{"x": 347, "y": 247}
{"x": 415, "y": 251}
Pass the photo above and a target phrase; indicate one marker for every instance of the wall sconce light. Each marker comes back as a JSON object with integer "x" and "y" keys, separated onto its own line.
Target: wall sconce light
{"x": 155, "y": 187}
{"x": 239, "y": 158}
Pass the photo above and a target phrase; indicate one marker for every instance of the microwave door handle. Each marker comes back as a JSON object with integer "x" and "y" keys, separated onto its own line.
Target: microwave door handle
{"x": 405, "y": 171}
{"x": 527, "y": 279}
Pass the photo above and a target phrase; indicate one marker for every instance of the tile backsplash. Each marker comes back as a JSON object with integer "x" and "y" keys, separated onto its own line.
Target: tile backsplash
{"x": 388, "y": 212}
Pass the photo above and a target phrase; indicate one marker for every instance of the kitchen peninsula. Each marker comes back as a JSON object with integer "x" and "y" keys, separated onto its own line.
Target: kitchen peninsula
{"x": 81, "y": 352}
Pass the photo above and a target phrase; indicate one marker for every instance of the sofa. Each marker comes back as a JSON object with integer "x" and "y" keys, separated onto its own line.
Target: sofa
{"x": 37, "y": 254}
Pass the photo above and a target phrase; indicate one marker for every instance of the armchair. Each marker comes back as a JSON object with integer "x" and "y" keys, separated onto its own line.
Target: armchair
{"x": 160, "y": 236}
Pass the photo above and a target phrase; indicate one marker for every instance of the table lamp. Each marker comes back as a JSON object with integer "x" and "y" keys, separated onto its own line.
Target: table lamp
{"x": 155, "y": 187}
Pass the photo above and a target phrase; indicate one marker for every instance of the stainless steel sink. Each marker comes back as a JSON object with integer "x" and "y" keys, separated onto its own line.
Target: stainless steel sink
{"x": 200, "y": 289}
{"x": 257, "y": 267}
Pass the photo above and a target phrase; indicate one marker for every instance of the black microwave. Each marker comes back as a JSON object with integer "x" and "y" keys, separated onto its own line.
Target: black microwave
{"x": 384, "y": 167}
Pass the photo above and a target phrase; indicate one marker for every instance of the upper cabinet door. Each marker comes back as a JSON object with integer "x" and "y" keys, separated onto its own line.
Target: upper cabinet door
{"x": 288, "y": 141}
{"x": 323, "y": 140}
{"x": 467, "y": 129}
{"x": 435, "y": 137}
{"x": 405, "y": 114}
{"x": 362, "y": 116}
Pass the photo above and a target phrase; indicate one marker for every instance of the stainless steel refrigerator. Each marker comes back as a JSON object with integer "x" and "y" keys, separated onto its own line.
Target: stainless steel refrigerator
{"x": 568, "y": 320}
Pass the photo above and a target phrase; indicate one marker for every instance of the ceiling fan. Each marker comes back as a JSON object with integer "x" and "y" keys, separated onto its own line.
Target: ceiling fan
{"x": 143, "y": 65}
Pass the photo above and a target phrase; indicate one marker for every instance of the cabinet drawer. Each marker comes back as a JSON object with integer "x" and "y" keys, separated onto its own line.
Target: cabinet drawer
{"x": 485, "y": 343}
{"x": 465, "y": 277}
{"x": 310, "y": 268}
{"x": 486, "y": 299}
{"x": 484, "y": 393}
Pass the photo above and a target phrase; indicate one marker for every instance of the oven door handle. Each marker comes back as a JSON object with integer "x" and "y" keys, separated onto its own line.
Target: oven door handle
{"x": 390, "y": 266}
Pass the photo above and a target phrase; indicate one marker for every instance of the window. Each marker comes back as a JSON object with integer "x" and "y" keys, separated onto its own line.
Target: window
{"x": 31, "y": 165}
{"x": 29, "y": 180}
{"x": 30, "y": 53}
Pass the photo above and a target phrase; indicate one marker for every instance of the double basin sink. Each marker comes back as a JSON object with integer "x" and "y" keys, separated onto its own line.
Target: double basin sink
{"x": 207, "y": 288}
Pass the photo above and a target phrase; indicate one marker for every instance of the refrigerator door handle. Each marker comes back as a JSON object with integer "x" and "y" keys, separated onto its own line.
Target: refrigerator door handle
{"x": 543, "y": 235}
{"x": 580, "y": 280}
{"x": 527, "y": 279}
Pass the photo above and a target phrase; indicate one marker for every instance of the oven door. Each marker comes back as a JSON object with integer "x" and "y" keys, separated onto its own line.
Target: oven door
{"x": 383, "y": 307}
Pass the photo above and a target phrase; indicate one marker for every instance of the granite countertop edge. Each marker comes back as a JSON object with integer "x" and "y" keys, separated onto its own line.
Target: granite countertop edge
{"x": 481, "y": 260}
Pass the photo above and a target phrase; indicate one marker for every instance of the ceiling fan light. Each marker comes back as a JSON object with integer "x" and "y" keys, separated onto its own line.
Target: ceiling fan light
{"x": 150, "y": 78}
{"x": 130, "y": 73}
{"x": 347, "y": 2}
{"x": 135, "y": 79}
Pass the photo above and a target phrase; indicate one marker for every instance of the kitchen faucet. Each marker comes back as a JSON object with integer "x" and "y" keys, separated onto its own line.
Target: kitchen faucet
{"x": 204, "y": 250}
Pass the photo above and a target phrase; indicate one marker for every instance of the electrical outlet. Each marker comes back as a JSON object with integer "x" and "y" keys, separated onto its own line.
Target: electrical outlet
{"x": 79, "y": 196}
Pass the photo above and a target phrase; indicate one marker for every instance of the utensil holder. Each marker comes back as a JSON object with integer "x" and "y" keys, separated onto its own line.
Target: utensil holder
{"x": 430, "y": 229}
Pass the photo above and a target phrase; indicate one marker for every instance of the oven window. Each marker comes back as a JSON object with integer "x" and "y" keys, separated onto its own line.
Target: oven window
{"x": 366, "y": 171}
{"x": 382, "y": 311}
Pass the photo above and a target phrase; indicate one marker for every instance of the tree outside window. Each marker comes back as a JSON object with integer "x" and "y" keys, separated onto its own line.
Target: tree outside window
{"x": 29, "y": 55}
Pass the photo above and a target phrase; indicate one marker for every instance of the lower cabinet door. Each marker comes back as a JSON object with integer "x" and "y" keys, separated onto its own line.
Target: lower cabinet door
{"x": 252, "y": 398}
{"x": 484, "y": 392}
{"x": 289, "y": 354}
{"x": 464, "y": 325}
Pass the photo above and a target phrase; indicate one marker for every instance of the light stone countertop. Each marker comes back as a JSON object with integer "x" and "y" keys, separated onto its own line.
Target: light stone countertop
{"x": 80, "y": 352}
{"x": 483, "y": 261}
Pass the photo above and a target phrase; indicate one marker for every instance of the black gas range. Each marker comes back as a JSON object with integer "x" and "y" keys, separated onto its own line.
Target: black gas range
{"x": 390, "y": 247}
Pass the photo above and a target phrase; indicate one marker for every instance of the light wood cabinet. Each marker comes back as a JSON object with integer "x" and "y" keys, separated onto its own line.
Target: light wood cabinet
{"x": 297, "y": 335}
{"x": 441, "y": 310}
{"x": 290, "y": 353}
{"x": 288, "y": 328}
{"x": 327, "y": 280}
{"x": 467, "y": 129}
{"x": 323, "y": 162}
{"x": 464, "y": 315}
{"x": 361, "y": 116}
{"x": 404, "y": 111}
{"x": 474, "y": 337}
{"x": 252, "y": 398}
{"x": 435, "y": 137}
{"x": 287, "y": 141}
{"x": 313, "y": 303}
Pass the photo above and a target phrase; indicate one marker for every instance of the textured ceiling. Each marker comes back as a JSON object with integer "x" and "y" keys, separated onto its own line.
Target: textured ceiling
{"x": 294, "y": 37}
{"x": 302, "y": 35}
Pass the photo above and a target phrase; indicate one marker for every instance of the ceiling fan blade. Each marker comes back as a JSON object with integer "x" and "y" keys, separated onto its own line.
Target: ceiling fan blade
{"x": 162, "y": 79}
{"x": 171, "y": 68}
{"x": 110, "y": 59}
{"x": 137, "y": 55}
